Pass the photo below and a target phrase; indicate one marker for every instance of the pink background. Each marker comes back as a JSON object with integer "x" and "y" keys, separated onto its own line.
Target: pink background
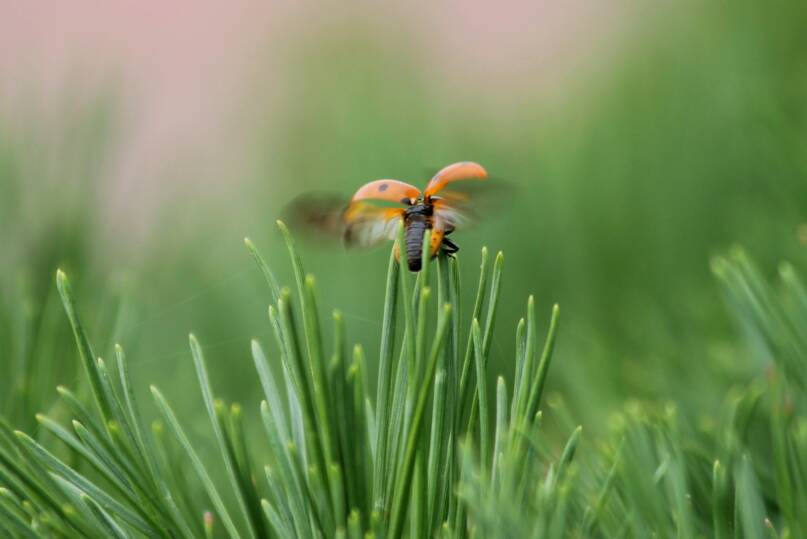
{"x": 185, "y": 68}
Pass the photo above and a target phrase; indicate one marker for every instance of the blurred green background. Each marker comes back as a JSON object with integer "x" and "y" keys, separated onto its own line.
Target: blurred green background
{"x": 684, "y": 135}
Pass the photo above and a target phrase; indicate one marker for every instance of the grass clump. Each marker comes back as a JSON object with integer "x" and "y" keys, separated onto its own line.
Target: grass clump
{"x": 434, "y": 451}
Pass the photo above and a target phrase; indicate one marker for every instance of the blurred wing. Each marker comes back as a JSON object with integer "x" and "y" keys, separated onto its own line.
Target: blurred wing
{"x": 465, "y": 170}
{"x": 366, "y": 225}
{"x": 389, "y": 190}
{"x": 448, "y": 217}
{"x": 465, "y": 203}
{"x": 317, "y": 216}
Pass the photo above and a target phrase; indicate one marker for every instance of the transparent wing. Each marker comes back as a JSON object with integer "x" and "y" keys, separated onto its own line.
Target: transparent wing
{"x": 317, "y": 216}
{"x": 366, "y": 225}
{"x": 465, "y": 203}
{"x": 448, "y": 217}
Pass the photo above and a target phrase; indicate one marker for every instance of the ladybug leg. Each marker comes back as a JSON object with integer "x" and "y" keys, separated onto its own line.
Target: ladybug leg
{"x": 449, "y": 247}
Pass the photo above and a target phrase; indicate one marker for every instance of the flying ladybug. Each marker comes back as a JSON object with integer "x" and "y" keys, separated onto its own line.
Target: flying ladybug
{"x": 377, "y": 209}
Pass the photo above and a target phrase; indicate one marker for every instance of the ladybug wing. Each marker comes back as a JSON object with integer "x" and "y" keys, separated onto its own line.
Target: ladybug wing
{"x": 317, "y": 216}
{"x": 448, "y": 217}
{"x": 366, "y": 225}
{"x": 387, "y": 190}
{"x": 465, "y": 203}
{"x": 465, "y": 170}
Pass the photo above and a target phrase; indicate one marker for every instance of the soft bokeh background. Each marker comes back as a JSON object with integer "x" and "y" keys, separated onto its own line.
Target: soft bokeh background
{"x": 140, "y": 142}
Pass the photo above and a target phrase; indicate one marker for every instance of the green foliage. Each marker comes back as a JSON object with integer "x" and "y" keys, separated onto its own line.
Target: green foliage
{"x": 51, "y": 166}
{"x": 435, "y": 453}
{"x": 688, "y": 139}
{"x": 335, "y": 464}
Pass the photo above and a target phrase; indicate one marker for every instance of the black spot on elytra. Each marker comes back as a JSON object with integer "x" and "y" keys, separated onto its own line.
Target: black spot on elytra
{"x": 383, "y": 187}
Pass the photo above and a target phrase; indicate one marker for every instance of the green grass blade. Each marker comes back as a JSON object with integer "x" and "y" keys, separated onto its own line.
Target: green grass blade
{"x": 120, "y": 483}
{"x": 245, "y": 469}
{"x": 482, "y": 392}
{"x": 111, "y": 527}
{"x": 171, "y": 467}
{"x": 404, "y": 479}
{"x": 311, "y": 421}
{"x": 568, "y": 452}
{"x": 35, "y": 483}
{"x": 141, "y": 441}
{"x": 340, "y": 507}
{"x": 294, "y": 498}
{"x": 291, "y": 381}
{"x": 386, "y": 367}
{"x": 500, "y": 431}
{"x": 487, "y": 336}
{"x": 270, "y": 390}
{"x": 719, "y": 492}
{"x": 537, "y": 389}
{"x": 319, "y": 379}
{"x": 396, "y": 429}
{"x": 467, "y": 369}
{"x": 82, "y": 514}
{"x": 493, "y": 303}
{"x": 354, "y": 528}
{"x": 274, "y": 288}
{"x": 81, "y": 413}
{"x": 519, "y": 367}
{"x": 13, "y": 524}
{"x": 426, "y": 258}
{"x": 593, "y": 513}
{"x": 115, "y": 404}
{"x": 275, "y": 523}
{"x": 420, "y": 338}
{"x": 104, "y": 451}
{"x": 173, "y": 424}
{"x": 221, "y": 436}
{"x": 315, "y": 371}
{"x": 526, "y": 354}
{"x": 749, "y": 500}
{"x": 83, "y": 343}
{"x": 437, "y": 446}
{"x": 360, "y": 453}
{"x": 409, "y": 318}
{"x": 455, "y": 299}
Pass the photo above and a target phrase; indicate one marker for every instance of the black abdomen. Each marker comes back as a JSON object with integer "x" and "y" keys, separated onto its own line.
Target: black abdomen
{"x": 415, "y": 229}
